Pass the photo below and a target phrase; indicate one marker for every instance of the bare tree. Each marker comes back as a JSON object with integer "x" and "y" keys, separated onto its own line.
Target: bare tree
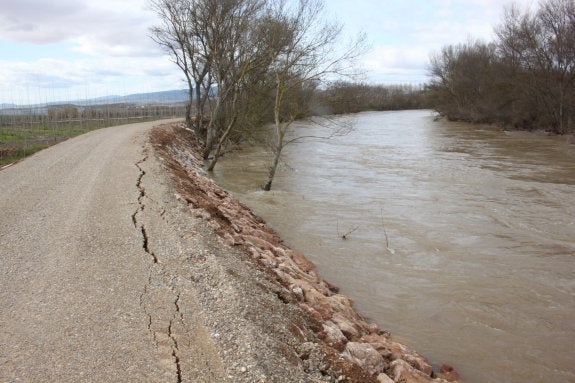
{"x": 304, "y": 54}
{"x": 180, "y": 33}
{"x": 211, "y": 42}
{"x": 539, "y": 50}
{"x": 526, "y": 78}
{"x": 557, "y": 40}
{"x": 247, "y": 48}
{"x": 234, "y": 56}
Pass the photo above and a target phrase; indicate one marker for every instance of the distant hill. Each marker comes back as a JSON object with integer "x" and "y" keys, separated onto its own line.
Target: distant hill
{"x": 165, "y": 97}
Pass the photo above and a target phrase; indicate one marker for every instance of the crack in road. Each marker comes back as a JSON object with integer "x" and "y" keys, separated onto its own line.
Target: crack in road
{"x": 143, "y": 306}
{"x": 140, "y": 209}
{"x": 174, "y": 340}
{"x": 138, "y": 222}
{"x": 79, "y": 214}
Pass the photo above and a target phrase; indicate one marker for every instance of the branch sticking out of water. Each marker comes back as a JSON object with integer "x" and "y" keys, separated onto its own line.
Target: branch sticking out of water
{"x": 344, "y": 236}
{"x": 386, "y": 237}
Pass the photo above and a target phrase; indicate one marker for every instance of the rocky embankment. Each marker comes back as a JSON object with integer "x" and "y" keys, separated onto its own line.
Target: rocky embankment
{"x": 332, "y": 341}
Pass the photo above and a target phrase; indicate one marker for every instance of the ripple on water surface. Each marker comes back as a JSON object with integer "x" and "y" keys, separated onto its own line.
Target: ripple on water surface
{"x": 460, "y": 238}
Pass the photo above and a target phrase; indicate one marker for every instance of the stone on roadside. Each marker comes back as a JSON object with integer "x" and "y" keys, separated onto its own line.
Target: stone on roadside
{"x": 419, "y": 363}
{"x": 346, "y": 326}
{"x": 367, "y": 357}
{"x": 298, "y": 292}
{"x": 401, "y": 371}
{"x": 333, "y": 336}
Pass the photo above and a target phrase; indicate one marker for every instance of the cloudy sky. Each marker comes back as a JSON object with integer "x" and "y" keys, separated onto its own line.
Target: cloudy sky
{"x": 75, "y": 49}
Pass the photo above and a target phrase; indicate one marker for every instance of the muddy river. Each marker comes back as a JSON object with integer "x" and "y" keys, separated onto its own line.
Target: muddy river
{"x": 460, "y": 239}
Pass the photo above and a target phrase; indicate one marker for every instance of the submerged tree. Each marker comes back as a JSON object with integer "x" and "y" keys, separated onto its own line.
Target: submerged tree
{"x": 526, "y": 78}
{"x": 305, "y": 54}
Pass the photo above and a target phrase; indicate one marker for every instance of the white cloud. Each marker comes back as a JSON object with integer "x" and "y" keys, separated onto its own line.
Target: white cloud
{"x": 90, "y": 77}
{"x": 110, "y": 39}
{"x": 38, "y": 22}
{"x": 102, "y": 46}
{"x": 405, "y": 34}
{"x": 95, "y": 27}
{"x": 112, "y": 51}
{"x": 397, "y": 56}
{"x": 397, "y": 64}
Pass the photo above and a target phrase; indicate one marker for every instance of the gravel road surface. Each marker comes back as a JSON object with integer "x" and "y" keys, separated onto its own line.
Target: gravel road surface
{"x": 80, "y": 297}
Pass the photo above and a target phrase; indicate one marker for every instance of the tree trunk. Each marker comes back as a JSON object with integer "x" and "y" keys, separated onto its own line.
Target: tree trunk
{"x": 561, "y": 113}
{"x": 198, "y": 126}
{"x": 189, "y": 114}
{"x": 226, "y": 133}
{"x": 279, "y": 133}
{"x": 211, "y": 130}
{"x": 272, "y": 173}
{"x": 189, "y": 103}
{"x": 221, "y": 144}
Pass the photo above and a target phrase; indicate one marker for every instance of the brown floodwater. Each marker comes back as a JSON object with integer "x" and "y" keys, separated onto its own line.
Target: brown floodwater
{"x": 460, "y": 238}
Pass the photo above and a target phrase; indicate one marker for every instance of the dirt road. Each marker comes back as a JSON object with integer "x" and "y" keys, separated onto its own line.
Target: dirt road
{"x": 80, "y": 297}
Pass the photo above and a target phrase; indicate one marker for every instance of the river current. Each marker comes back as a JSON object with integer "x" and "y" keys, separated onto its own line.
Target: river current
{"x": 460, "y": 239}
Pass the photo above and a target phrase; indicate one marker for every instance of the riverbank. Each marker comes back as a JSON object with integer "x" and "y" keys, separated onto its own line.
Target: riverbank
{"x": 312, "y": 333}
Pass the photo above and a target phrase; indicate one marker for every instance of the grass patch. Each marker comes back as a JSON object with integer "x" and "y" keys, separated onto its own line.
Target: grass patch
{"x": 22, "y": 139}
{"x": 7, "y": 156}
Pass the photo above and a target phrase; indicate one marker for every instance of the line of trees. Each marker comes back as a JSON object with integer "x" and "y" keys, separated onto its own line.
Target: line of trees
{"x": 250, "y": 62}
{"x": 352, "y": 97}
{"x": 524, "y": 79}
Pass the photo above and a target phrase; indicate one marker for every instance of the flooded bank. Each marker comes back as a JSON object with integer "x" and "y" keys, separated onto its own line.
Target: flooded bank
{"x": 460, "y": 241}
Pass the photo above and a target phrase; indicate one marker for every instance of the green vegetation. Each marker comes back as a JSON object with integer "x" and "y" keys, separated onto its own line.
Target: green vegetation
{"x": 24, "y": 132}
{"x": 524, "y": 79}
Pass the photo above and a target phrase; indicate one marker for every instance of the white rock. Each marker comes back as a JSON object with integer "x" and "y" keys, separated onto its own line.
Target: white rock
{"x": 365, "y": 356}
